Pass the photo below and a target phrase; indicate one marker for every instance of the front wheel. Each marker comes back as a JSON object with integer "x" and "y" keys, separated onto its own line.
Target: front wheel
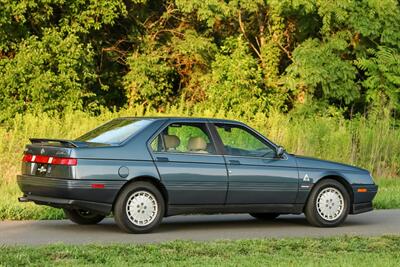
{"x": 139, "y": 208}
{"x": 83, "y": 216}
{"x": 328, "y": 204}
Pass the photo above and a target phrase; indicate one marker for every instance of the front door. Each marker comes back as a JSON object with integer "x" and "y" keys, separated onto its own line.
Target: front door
{"x": 190, "y": 168}
{"x": 256, "y": 175}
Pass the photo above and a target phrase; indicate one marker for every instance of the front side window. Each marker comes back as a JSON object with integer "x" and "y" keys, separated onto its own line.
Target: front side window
{"x": 184, "y": 138}
{"x": 239, "y": 141}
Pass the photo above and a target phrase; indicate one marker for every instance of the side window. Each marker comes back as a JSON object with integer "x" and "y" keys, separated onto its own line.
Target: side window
{"x": 156, "y": 144}
{"x": 238, "y": 141}
{"x": 184, "y": 138}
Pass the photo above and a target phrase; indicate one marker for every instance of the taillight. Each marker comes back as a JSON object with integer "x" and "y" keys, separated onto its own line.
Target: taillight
{"x": 50, "y": 160}
{"x": 27, "y": 158}
{"x": 64, "y": 161}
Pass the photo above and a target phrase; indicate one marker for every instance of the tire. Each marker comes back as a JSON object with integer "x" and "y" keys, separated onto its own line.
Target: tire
{"x": 265, "y": 216}
{"x": 83, "y": 217}
{"x": 142, "y": 198}
{"x": 328, "y": 204}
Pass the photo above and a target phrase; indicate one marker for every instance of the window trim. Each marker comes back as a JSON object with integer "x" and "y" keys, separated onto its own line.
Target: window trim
{"x": 255, "y": 133}
{"x": 218, "y": 151}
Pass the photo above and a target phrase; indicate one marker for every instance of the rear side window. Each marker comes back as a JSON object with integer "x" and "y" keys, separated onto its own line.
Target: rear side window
{"x": 115, "y": 131}
{"x": 184, "y": 138}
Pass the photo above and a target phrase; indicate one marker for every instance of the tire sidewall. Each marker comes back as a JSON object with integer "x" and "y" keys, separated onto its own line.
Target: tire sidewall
{"x": 312, "y": 207}
{"x": 120, "y": 207}
{"x": 75, "y": 216}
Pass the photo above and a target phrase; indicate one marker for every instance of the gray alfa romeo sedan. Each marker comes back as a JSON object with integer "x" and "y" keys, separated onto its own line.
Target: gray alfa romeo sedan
{"x": 143, "y": 169}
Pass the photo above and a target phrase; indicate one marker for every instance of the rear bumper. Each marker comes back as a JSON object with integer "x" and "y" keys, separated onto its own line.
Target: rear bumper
{"x": 102, "y": 208}
{"x": 69, "y": 193}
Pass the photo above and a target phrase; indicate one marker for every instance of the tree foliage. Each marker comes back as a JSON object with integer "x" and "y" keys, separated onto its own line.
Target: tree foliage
{"x": 247, "y": 55}
{"x": 46, "y": 74}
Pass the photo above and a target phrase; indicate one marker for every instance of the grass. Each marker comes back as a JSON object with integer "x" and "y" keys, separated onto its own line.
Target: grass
{"x": 388, "y": 196}
{"x": 11, "y": 209}
{"x": 373, "y": 144}
{"x": 337, "y": 251}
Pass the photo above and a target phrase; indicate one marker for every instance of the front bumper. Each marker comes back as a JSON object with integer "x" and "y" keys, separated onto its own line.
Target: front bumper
{"x": 362, "y": 201}
{"x": 361, "y": 208}
{"x": 69, "y": 193}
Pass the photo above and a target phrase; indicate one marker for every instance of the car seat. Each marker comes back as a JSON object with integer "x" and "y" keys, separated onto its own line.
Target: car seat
{"x": 197, "y": 145}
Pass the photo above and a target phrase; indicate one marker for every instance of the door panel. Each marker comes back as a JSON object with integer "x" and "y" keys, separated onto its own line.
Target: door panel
{"x": 262, "y": 181}
{"x": 193, "y": 179}
{"x": 255, "y": 174}
{"x": 188, "y": 164}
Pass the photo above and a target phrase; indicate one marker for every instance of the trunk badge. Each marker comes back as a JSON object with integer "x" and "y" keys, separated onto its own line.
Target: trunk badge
{"x": 42, "y": 169}
{"x": 42, "y": 151}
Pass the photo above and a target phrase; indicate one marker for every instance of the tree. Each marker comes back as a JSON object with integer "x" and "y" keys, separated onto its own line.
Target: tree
{"x": 241, "y": 54}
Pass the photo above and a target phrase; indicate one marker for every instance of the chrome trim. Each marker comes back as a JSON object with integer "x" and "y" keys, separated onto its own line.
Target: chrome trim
{"x": 188, "y": 153}
{"x": 211, "y": 121}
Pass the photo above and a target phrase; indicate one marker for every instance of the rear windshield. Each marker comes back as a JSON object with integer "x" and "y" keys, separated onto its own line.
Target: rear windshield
{"x": 115, "y": 131}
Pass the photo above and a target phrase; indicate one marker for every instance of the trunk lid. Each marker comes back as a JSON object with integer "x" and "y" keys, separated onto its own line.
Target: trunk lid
{"x": 49, "y": 147}
{"x": 51, "y": 158}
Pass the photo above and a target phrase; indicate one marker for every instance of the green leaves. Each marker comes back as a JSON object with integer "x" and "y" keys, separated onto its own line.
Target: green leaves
{"x": 320, "y": 69}
{"x": 150, "y": 79}
{"x": 47, "y": 74}
{"x": 382, "y": 71}
{"x": 83, "y": 16}
{"x": 235, "y": 79}
{"x": 243, "y": 55}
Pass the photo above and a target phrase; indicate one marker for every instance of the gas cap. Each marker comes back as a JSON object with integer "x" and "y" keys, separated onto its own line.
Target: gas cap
{"x": 123, "y": 172}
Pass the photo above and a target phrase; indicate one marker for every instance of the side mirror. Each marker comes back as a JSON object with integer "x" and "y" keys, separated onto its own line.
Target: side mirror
{"x": 280, "y": 151}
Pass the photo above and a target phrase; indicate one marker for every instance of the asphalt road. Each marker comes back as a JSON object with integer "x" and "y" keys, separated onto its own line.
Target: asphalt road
{"x": 195, "y": 227}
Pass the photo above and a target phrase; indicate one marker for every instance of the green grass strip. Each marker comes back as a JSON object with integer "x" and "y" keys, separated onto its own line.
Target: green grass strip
{"x": 335, "y": 251}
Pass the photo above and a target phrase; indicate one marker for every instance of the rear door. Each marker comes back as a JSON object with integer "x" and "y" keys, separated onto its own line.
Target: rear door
{"x": 189, "y": 165}
{"x": 256, "y": 175}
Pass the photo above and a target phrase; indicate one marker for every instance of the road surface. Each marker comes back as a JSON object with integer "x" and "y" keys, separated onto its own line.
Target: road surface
{"x": 195, "y": 227}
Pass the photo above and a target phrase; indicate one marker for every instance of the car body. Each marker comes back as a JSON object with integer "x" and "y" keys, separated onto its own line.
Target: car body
{"x": 152, "y": 167}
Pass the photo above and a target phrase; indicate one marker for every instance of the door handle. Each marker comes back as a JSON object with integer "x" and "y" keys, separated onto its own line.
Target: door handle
{"x": 162, "y": 159}
{"x": 234, "y": 162}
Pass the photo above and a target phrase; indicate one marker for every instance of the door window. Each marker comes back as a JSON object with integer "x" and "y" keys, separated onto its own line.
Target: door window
{"x": 184, "y": 138}
{"x": 239, "y": 141}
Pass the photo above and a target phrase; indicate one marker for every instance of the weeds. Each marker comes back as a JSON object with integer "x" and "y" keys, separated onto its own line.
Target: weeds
{"x": 373, "y": 144}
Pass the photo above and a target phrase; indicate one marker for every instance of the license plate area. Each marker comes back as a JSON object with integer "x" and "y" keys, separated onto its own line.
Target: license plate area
{"x": 42, "y": 169}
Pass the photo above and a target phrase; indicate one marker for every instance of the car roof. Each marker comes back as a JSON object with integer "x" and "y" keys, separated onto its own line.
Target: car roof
{"x": 186, "y": 119}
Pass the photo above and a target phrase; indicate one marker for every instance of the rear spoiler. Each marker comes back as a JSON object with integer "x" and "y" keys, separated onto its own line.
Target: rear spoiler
{"x": 63, "y": 142}
{"x": 67, "y": 143}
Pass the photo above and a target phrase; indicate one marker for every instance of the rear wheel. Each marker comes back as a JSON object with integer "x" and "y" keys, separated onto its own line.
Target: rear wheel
{"x": 328, "y": 204}
{"x": 83, "y": 216}
{"x": 139, "y": 208}
{"x": 265, "y": 216}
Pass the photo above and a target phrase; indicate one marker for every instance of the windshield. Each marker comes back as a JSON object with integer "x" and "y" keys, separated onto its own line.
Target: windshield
{"x": 115, "y": 131}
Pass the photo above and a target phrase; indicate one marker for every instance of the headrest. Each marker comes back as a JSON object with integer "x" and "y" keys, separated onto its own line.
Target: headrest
{"x": 197, "y": 143}
{"x": 171, "y": 141}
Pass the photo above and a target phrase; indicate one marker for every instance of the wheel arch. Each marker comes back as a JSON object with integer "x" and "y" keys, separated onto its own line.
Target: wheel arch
{"x": 150, "y": 179}
{"x": 339, "y": 179}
